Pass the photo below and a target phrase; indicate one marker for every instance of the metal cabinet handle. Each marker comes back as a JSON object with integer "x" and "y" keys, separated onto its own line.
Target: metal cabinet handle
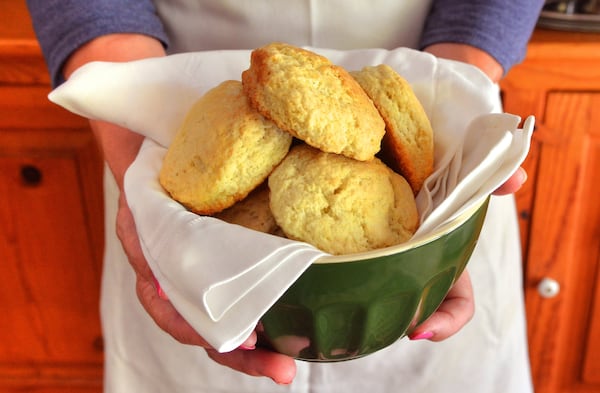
{"x": 548, "y": 287}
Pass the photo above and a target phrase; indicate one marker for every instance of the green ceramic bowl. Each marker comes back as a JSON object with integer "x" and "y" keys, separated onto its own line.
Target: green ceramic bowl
{"x": 345, "y": 307}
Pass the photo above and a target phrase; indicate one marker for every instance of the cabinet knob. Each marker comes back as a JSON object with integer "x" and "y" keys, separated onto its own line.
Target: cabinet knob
{"x": 548, "y": 287}
{"x": 31, "y": 175}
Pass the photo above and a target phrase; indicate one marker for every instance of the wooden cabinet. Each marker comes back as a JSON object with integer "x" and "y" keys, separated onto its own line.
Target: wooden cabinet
{"x": 559, "y": 83}
{"x": 51, "y": 230}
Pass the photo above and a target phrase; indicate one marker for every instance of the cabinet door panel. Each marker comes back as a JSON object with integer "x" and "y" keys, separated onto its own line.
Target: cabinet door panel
{"x": 49, "y": 259}
{"x": 565, "y": 246}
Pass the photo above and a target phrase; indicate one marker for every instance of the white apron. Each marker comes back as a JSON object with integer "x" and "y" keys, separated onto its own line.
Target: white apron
{"x": 489, "y": 355}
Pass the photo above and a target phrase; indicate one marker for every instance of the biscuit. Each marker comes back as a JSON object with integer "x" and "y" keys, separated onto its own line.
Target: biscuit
{"x": 314, "y": 100}
{"x": 341, "y": 205}
{"x": 252, "y": 212}
{"x": 407, "y": 146}
{"x": 223, "y": 150}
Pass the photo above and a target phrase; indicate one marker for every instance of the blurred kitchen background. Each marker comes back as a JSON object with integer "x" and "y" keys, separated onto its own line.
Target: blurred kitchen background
{"x": 571, "y": 15}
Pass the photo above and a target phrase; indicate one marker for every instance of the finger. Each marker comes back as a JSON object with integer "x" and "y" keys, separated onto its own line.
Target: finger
{"x": 127, "y": 233}
{"x": 259, "y": 363}
{"x": 165, "y": 315}
{"x": 456, "y": 310}
{"x": 159, "y": 290}
{"x": 250, "y": 342}
{"x": 513, "y": 184}
{"x": 160, "y": 309}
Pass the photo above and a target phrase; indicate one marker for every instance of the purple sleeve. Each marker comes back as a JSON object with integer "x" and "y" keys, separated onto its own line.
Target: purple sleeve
{"x": 61, "y": 26}
{"x": 501, "y": 28}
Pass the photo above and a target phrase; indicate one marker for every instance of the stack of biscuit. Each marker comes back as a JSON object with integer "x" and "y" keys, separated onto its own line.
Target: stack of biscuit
{"x": 305, "y": 149}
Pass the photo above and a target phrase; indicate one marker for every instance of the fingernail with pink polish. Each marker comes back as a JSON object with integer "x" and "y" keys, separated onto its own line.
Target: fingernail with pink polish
{"x": 246, "y": 347}
{"x": 421, "y": 336}
{"x": 159, "y": 290}
{"x": 249, "y": 344}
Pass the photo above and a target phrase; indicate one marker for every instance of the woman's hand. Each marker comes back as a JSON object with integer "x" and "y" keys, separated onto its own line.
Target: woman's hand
{"x": 513, "y": 184}
{"x": 247, "y": 359}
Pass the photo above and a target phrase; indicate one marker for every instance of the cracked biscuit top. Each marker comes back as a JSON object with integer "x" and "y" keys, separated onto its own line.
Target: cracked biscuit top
{"x": 314, "y": 100}
{"x": 341, "y": 205}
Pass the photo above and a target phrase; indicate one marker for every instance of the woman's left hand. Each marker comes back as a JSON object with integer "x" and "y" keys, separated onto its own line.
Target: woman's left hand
{"x": 456, "y": 310}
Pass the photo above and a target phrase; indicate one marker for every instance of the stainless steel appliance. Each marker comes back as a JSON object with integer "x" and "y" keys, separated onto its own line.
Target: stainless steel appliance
{"x": 572, "y": 15}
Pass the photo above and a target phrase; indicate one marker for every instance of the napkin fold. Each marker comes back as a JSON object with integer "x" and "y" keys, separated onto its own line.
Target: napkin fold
{"x": 491, "y": 151}
{"x": 221, "y": 277}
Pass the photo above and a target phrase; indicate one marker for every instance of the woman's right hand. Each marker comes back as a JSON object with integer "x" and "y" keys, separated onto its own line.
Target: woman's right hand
{"x": 247, "y": 359}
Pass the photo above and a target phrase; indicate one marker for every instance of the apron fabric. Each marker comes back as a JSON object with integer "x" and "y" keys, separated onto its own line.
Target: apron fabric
{"x": 488, "y": 355}
{"x": 194, "y": 25}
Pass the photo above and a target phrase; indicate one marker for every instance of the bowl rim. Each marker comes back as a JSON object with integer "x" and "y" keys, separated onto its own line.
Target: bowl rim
{"x": 410, "y": 244}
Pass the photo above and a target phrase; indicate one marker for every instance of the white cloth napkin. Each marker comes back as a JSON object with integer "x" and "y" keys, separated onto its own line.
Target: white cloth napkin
{"x": 222, "y": 278}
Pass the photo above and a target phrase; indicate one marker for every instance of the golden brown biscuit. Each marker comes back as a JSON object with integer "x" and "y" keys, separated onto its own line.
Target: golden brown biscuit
{"x": 341, "y": 205}
{"x": 252, "y": 212}
{"x": 313, "y": 99}
{"x": 408, "y": 143}
{"x": 223, "y": 150}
